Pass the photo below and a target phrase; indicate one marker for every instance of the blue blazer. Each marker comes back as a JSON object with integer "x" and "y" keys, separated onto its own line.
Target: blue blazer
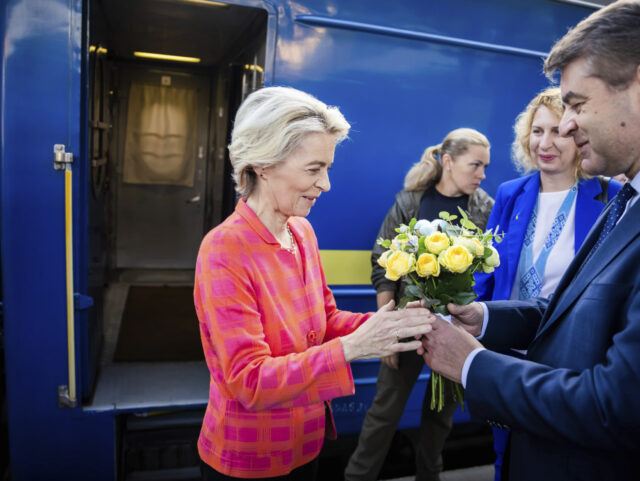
{"x": 511, "y": 212}
{"x": 573, "y": 404}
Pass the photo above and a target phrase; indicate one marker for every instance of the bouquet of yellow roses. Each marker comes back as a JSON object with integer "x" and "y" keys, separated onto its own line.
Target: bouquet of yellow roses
{"x": 436, "y": 261}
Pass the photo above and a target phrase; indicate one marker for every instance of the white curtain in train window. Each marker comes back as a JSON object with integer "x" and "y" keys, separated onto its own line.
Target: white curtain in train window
{"x": 161, "y": 129}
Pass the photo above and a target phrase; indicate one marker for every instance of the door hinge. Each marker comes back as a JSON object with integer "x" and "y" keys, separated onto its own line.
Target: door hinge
{"x": 64, "y": 400}
{"x": 61, "y": 158}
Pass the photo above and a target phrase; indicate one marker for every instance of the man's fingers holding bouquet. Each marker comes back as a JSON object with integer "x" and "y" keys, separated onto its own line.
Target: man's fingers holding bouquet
{"x": 446, "y": 348}
{"x": 469, "y": 317}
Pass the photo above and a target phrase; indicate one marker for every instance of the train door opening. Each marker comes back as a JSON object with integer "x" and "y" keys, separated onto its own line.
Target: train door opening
{"x": 165, "y": 78}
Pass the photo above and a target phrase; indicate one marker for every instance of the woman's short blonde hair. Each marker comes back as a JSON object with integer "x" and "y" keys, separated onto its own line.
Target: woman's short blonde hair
{"x": 428, "y": 170}
{"x": 270, "y": 124}
{"x": 520, "y": 152}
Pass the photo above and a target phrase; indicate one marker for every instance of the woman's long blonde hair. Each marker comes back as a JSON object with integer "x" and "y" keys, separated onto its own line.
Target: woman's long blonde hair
{"x": 428, "y": 170}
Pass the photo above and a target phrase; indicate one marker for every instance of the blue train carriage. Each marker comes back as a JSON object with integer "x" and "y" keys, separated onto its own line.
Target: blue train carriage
{"x": 114, "y": 166}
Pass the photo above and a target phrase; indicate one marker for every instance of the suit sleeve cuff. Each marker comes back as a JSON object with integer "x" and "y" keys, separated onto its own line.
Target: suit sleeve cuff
{"x": 467, "y": 365}
{"x": 485, "y": 320}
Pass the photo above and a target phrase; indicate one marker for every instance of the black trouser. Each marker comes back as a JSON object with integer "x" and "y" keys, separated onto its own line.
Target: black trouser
{"x": 382, "y": 418}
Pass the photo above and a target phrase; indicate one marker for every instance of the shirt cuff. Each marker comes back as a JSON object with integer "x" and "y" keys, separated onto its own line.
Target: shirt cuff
{"x": 485, "y": 320}
{"x": 467, "y": 365}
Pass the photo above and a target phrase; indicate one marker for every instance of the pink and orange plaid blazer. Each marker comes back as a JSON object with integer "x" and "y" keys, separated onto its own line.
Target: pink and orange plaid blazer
{"x": 270, "y": 337}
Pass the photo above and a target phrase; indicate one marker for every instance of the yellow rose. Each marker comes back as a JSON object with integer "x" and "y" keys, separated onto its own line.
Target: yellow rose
{"x": 399, "y": 263}
{"x": 427, "y": 265}
{"x": 494, "y": 259}
{"x": 456, "y": 259}
{"x": 382, "y": 260}
{"x": 472, "y": 244}
{"x": 436, "y": 242}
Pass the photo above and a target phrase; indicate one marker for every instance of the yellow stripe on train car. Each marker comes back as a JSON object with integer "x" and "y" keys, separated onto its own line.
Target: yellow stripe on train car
{"x": 346, "y": 267}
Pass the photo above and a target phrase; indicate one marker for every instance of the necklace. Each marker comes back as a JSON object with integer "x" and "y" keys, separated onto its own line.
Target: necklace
{"x": 291, "y": 249}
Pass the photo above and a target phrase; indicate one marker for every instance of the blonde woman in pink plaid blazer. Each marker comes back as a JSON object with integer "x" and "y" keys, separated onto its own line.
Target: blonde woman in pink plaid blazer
{"x": 277, "y": 348}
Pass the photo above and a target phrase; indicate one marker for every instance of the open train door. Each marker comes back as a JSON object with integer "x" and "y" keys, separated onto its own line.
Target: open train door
{"x": 43, "y": 105}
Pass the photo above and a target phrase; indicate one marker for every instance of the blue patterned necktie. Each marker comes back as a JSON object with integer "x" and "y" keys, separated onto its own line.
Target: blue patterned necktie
{"x": 616, "y": 210}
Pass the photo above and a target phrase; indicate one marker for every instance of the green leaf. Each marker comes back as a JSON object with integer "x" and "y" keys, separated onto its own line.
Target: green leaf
{"x": 464, "y": 298}
{"x": 467, "y": 224}
{"x": 386, "y": 243}
{"x": 415, "y": 292}
{"x": 403, "y": 302}
{"x": 412, "y": 223}
{"x": 445, "y": 298}
{"x": 463, "y": 213}
{"x": 431, "y": 303}
{"x": 487, "y": 253}
{"x": 444, "y": 215}
{"x": 421, "y": 248}
{"x": 441, "y": 310}
{"x": 454, "y": 230}
{"x": 452, "y": 217}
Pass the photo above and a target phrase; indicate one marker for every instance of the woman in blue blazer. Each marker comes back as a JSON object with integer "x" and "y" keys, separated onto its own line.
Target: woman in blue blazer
{"x": 545, "y": 215}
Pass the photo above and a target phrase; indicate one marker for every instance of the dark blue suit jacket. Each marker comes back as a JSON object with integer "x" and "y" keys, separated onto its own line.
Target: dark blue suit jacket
{"x": 574, "y": 404}
{"x": 511, "y": 212}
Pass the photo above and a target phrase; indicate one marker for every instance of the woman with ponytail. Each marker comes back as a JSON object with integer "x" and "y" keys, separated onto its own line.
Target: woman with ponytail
{"x": 447, "y": 176}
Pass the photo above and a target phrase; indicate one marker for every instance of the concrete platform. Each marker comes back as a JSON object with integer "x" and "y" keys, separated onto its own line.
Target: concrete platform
{"x": 476, "y": 473}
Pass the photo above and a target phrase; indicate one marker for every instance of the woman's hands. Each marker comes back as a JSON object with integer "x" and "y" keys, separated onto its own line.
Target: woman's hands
{"x": 380, "y": 335}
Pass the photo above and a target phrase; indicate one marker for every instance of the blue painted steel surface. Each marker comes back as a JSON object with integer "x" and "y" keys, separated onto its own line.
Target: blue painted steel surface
{"x": 403, "y": 75}
{"x": 41, "y": 107}
{"x": 403, "y": 91}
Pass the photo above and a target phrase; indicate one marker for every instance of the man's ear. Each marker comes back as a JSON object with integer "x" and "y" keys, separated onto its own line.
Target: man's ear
{"x": 634, "y": 88}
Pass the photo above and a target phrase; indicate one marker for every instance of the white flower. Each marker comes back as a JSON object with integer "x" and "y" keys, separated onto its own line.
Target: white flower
{"x": 425, "y": 227}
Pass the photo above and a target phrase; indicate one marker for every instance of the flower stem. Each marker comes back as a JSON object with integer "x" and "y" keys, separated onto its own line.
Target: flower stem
{"x": 433, "y": 390}
{"x": 460, "y": 395}
{"x": 417, "y": 283}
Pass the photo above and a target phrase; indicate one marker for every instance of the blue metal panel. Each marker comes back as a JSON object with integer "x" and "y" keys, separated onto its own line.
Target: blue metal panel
{"x": 349, "y": 411}
{"x": 41, "y": 107}
{"x": 404, "y": 77}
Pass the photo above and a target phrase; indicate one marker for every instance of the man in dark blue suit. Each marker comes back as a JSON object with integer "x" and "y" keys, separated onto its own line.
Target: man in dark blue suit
{"x": 573, "y": 405}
